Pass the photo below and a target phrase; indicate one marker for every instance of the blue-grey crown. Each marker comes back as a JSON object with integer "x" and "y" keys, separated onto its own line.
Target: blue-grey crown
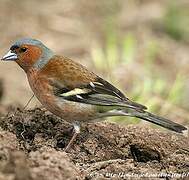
{"x": 28, "y": 41}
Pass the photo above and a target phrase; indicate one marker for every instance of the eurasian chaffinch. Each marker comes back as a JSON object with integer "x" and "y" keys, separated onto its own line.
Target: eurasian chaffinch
{"x": 70, "y": 91}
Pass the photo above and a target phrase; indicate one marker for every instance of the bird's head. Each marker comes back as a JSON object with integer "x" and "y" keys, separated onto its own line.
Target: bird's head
{"x": 29, "y": 53}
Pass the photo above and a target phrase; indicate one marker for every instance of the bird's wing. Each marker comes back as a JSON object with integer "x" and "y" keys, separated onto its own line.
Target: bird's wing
{"x": 87, "y": 88}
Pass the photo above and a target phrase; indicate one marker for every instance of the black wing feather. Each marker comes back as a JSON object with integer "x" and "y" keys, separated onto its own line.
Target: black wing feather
{"x": 99, "y": 92}
{"x": 108, "y": 88}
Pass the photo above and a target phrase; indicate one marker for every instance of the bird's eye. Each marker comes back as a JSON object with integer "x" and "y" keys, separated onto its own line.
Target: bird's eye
{"x": 23, "y": 49}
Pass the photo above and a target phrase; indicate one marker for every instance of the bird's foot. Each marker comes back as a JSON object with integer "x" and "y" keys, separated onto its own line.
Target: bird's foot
{"x": 76, "y": 129}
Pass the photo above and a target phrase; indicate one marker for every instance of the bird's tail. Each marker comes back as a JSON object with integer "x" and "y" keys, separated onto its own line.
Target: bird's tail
{"x": 159, "y": 121}
{"x": 143, "y": 114}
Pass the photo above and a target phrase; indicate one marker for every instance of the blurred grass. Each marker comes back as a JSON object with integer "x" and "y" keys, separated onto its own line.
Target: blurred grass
{"x": 154, "y": 85}
{"x": 176, "y": 21}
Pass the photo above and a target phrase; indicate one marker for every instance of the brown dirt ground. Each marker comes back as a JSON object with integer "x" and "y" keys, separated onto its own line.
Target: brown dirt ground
{"x": 32, "y": 148}
{"x": 32, "y": 142}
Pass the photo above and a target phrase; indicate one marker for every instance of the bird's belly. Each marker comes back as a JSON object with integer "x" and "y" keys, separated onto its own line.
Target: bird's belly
{"x": 73, "y": 111}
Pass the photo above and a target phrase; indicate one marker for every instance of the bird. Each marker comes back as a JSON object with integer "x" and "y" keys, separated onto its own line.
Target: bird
{"x": 72, "y": 92}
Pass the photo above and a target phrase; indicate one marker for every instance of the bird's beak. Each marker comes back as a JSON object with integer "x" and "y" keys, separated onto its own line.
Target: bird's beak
{"x": 10, "y": 56}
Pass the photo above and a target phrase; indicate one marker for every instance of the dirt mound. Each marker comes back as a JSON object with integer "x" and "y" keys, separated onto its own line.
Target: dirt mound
{"x": 32, "y": 147}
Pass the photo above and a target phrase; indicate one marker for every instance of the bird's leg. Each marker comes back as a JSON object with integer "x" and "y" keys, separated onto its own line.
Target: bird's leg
{"x": 76, "y": 129}
{"x": 28, "y": 102}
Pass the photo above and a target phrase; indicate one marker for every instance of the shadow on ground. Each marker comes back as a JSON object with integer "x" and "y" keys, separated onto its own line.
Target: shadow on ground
{"x": 32, "y": 147}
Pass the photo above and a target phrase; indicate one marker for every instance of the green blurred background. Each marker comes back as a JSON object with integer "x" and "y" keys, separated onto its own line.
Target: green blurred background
{"x": 141, "y": 46}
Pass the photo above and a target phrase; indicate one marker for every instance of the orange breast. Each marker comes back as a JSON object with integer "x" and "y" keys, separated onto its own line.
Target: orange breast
{"x": 41, "y": 88}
